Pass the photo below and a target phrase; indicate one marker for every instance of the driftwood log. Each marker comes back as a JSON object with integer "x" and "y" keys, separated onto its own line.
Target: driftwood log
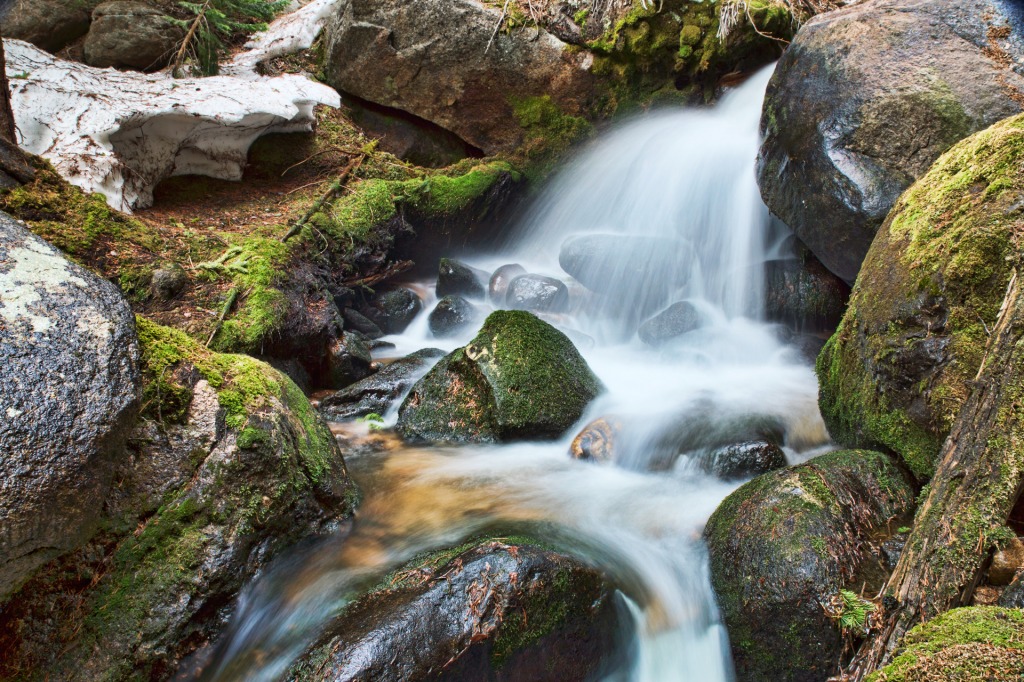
{"x": 976, "y": 485}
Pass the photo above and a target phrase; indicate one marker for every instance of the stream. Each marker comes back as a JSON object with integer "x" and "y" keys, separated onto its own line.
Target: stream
{"x": 682, "y": 176}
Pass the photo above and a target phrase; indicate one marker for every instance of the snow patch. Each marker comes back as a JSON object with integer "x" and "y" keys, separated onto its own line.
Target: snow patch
{"x": 121, "y": 133}
{"x": 290, "y": 33}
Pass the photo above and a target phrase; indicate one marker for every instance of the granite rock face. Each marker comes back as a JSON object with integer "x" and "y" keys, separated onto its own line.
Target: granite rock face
{"x": 69, "y": 391}
{"x": 867, "y": 97}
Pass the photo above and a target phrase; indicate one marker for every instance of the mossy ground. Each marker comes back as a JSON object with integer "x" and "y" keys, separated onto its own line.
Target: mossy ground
{"x": 227, "y": 236}
{"x": 961, "y": 645}
{"x": 934, "y": 278}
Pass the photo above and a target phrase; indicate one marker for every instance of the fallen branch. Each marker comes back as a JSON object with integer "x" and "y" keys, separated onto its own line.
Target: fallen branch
{"x": 329, "y": 196}
{"x": 387, "y": 273}
{"x": 501, "y": 20}
{"x": 228, "y": 305}
{"x": 179, "y": 58}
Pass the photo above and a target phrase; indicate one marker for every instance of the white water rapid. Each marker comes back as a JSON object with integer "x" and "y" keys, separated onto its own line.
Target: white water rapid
{"x": 682, "y": 181}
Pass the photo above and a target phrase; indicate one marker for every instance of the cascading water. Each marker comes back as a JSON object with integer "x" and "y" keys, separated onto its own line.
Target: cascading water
{"x": 675, "y": 196}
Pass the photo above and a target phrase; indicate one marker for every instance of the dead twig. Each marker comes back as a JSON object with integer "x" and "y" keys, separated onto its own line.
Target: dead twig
{"x": 328, "y": 196}
{"x": 228, "y": 305}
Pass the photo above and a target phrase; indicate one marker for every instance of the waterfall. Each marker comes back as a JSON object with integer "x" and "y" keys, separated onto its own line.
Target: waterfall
{"x": 674, "y": 195}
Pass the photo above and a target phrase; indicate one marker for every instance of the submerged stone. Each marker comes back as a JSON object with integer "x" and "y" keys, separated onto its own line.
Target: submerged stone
{"x": 451, "y": 316}
{"x": 537, "y": 293}
{"x": 376, "y": 393}
{"x": 520, "y": 378}
{"x": 498, "y": 285}
{"x": 458, "y": 279}
{"x": 676, "y": 320}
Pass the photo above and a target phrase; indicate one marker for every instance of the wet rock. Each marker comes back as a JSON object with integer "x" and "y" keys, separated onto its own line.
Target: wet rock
{"x": 1007, "y": 563}
{"x": 971, "y": 643}
{"x": 458, "y": 279}
{"x": 537, "y": 293}
{"x": 69, "y": 392}
{"x": 596, "y": 442}
{"x": 676, "y": 320}
{"x": 47, "y": 24}
{"x": 375, "y": 49}
{"x": 867, "y": 98}
{"x": 893, "y": 548}
{"x": 520, "y": 378}
{"x": 709, "y": 427}
{"x": 905, "y": 356}
{"x": 494, "y": 611}
{"x": 393, "y": 311}
{"x": 1013, "y": 596}
{"x": 168, "y": 281}
{"x": 451, "y": 316}
{"x": 131, "y": 35}
{"x": 625, "y": 266}
{"x": 498, "y": 285}
{"x": 377, "y": 392}
{"x": 743, "y": 460}
{"x": 801, "y": 293}
{"x": 786, "y": 542}
{"x": 349, "y": 360}
{"x": 357, "y": 321}
{"x": 207, "y": 496}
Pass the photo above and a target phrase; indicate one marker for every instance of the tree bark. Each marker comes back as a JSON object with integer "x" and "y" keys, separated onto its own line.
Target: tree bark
{"x": 14, "y": 166}
{"x": 977, "y": 483}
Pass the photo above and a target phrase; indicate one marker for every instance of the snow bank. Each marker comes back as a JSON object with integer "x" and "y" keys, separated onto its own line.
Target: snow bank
{"x": 121, "y": 133}
{"x": 290, "y": 33}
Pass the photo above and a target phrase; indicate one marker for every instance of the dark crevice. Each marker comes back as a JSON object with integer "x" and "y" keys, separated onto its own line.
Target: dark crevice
{"x": 407, "y": 136}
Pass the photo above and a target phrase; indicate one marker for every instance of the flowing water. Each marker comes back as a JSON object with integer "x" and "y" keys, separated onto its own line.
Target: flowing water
{"x": 684, "y": 181}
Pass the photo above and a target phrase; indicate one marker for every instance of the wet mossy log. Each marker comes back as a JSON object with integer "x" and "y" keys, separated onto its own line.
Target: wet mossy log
{"x": 978, "y": 481}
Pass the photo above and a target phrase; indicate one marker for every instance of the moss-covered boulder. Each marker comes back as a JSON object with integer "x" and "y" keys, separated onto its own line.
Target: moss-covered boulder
{"x": 866, "y": 98}
{"x": 975, "y": 643}
{"x": 900, "y": 366}
{"x": 229, "y": 466}
{"x": 520, "y": 378}
{"x": 489, "y": 610}
{"x": 783, "y": 546}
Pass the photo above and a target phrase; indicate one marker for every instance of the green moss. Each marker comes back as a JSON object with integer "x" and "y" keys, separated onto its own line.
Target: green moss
{"x": 537, "y": 375}
{"x": 975, "y": 643}
{"x": 936, "y": 274}
{"x": 549, "y": 132}
{"x": 676, "y": 43}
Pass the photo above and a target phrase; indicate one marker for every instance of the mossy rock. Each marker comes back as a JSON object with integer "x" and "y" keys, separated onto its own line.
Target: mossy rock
{"x": 505, "y": 609}
{"x": 900, "y": 366}
{"x": 520, "y": 378}
{"x": 784, "y": 544}
{"x": 962, "y": 645}
{"x": 230, "y": 466}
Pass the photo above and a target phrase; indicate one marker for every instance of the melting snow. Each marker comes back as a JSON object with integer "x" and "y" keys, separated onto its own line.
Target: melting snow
{"x": 121, "y": 133}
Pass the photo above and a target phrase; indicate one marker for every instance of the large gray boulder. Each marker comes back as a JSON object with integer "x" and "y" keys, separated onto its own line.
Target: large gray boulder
{"x": 131, "y": 35}
{"x": 866, "y": 98}
{"x": 69, "y": 391}
{"x": 436, "y": 59}
{"x": 47, "y": 24}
